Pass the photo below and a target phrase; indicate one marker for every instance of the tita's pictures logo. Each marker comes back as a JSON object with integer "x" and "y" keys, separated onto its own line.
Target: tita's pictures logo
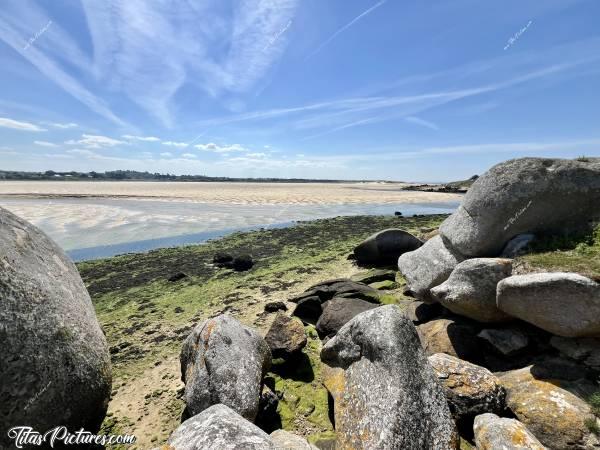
{"x": 27, "y": 436}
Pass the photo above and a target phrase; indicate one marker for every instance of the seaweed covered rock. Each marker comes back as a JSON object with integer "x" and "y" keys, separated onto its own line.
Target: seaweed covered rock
{"x": 391, "y": 398}
{"x": 493, "y": 432}
{"x": 471, "y": 289}
{"x": 565, "y": 304}
{"x": 219, "y": 427}
{"x": 385, "y": 247}
{"x": 428, "y": 266}
{"x": 340, "y": 287}
{"x": 223, "y": 361}
{"x": 554, "y": 415}
{"x": 286, "y": 336}
{"x": 470, "y": 389}
{"x": 526, "y": 195}
{"x": 54, "y": 360}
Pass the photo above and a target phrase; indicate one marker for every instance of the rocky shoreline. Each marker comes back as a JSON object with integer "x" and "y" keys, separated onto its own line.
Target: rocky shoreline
{"x": 485, "y": 335}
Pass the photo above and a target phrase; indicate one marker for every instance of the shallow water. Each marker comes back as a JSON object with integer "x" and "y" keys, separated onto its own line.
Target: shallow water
{"x": 89, "y": 228}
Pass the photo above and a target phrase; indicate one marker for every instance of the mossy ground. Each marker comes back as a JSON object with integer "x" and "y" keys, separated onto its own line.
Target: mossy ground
{"x": 578, "y": 252}
{"x": 146, "y": 318}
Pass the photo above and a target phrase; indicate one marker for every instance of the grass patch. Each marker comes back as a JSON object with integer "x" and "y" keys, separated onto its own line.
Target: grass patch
{"x": 579, "y": 252}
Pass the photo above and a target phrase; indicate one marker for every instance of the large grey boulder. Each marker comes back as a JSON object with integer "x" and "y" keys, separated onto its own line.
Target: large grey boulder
{"x": 339, "y": 311}
{"x": 384, "y": 247}
{"x": 219, "y": 427}
{"x": 223, "y": 361}
{"x": 428, "y": 266}
{"x": 54, "y": 360}
{"x": 493, "y": 432}
{"x": 565, "y": 304}
{"x": 471, "y": 289}
{"x": 391, "y": 398}
{"x": 470, "y": 389}
{"x": 526, "y": 195}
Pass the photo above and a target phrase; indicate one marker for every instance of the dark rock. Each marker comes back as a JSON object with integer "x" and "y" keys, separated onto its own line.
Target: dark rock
{"x": 339, "y": 288}
{"x": 178, "y": 309}
{"x": 222, "y": 258}
{"x": 309, "y": 310}
{"x": 517, "y": 246}
{"x": 583, "y": 350}
{"x": 54, "y": 360}
{"x": 337, "y": 312}
{"x": 267, "y": 418}
{"x": 420, "y": 312}
{"x": 275, "y": 306}
{"x": 222, "y": 361}
{"x": 526, "y": 195}
{"x": 219, "y": 427}
{"x": 506, "y": 341}
{"x": 286, "y": 336}
{"x": 242, "y": 263}
{"x": 391, "y": 398}
{"x": 471, "y": 289}
{"x": 176, "y": 277}
{"x": 375, "y": 275}
{"x": 384, "y": 247}
{"x": 398, "y": 213}
{"x": 428, "y": 266}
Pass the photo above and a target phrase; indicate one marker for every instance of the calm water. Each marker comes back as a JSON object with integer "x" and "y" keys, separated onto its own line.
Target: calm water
{"x": 98, "y": 228}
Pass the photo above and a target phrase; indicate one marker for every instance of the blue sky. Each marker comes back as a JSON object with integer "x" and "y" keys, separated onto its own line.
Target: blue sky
{"x": 349, "y": 89}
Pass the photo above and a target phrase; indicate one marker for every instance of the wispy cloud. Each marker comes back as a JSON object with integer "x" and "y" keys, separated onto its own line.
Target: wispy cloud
{"x": 45, "y": 144}
{"x": 422, "y": 122}
{"x": 189, "y": 155}
{"x": 344, "y": 28}
{"x": 175, "y": 144}
{"x": 94, "y": 141}
{"x": 5, "y": 122}
{"x": 141, "y": 138}
{"x": 212, "y": 147}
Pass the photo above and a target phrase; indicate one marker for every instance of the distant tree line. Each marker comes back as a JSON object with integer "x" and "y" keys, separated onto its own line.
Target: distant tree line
{"x": 133, "y": 175}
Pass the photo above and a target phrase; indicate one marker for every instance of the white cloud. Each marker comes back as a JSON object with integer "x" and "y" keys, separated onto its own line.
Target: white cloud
{"x": 166, "y": 154}
{"x": 175, "y": 144}
{"x": 189, "y": 155}
{"x": 257, "y": 155}
{"x": 141, "y": 138}
{"x": 94, "y": 141}
{"x": 17, "y": 125}
{"x": 212, "y": 147}
{"x": 63, "y": 126}
{"x": 45, "y": 144}
{"x": 57, "y": 156}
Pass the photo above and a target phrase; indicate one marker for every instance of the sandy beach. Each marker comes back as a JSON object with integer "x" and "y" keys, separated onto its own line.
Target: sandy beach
{"x": 91, "y": 214}
{"x": 227, "y": 193}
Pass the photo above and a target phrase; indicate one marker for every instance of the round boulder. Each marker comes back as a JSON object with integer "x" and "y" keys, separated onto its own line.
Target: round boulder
{"x": 565, "y": 304}
{"x": 385, "y": 247}
{"x": 55, "y": 364}
{"x": 471, "y": 289}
